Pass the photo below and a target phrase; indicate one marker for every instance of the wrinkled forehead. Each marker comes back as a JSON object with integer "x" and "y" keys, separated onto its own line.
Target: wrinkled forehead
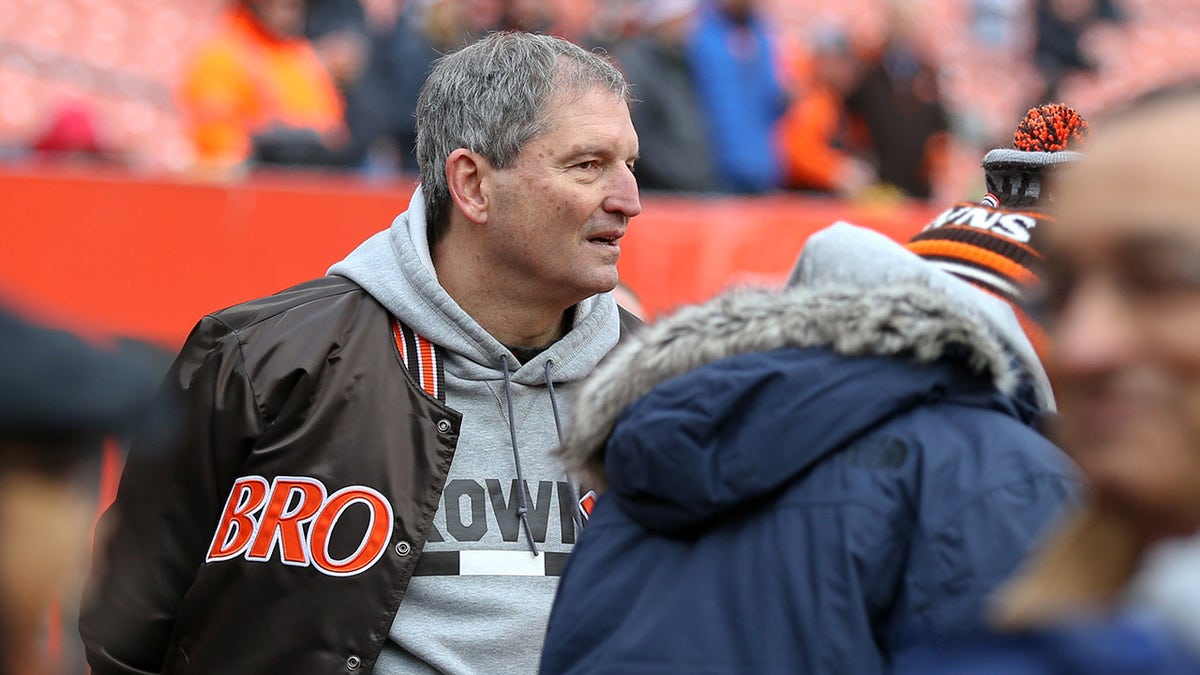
{"x": 1139, "y": 180}
{"x": 569, "y": 101}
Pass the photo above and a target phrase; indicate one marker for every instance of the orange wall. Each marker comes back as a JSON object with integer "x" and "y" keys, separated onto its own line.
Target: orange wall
{"x": 110, "y": 253}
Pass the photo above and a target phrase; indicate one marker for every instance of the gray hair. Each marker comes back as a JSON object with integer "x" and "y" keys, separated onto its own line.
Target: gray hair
{"x": 492, "y": 97}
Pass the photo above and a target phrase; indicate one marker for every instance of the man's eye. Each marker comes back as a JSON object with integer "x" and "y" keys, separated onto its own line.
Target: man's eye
{"x": 588, "y": 165}
{"x": 1177, "y": 271}
{"x": 1047, "y": 300}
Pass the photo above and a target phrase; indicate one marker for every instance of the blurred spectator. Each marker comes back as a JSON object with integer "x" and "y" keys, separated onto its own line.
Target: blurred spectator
{"x": 339, "y": 32}
{"x": 819, "y": 140}
{"x": 671, "y": 133}
{"x": 997, "y": 24}
{"x": 899, "y": 102}
{"x": 733, "y": 59}
{"x": 1117, "y": 588}
{"x": 455, "y": 23}
{"x": 1060, "y": 26}
{"x": 531, "y": 16}
{"x": 257, "y": 90}
{"x": 72, "y": 135}
{"x": 381, "y": 106}
{"x": 59, "y": 398}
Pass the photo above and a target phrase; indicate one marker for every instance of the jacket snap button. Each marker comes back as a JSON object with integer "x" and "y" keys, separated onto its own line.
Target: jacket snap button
{"x": 353, "y": 663}
{"x": 444, "y": 426}
{"x": 403, "y": 548}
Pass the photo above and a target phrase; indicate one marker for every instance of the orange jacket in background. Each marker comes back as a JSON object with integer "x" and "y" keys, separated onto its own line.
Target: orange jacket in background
{"x": 244, "y": 81}
{"x": 807, "y": 133}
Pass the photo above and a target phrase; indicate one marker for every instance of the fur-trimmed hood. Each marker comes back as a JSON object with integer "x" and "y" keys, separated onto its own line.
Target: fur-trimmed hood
{"x": 907, "y": 320}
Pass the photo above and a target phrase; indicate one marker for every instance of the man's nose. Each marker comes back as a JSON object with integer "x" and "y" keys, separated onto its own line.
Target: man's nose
{"x": 1094, "y": 332}
{"x": 624, "y": 198}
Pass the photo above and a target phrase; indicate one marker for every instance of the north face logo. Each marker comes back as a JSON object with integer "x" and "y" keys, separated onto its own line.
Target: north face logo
{"x": 297, "y": 516}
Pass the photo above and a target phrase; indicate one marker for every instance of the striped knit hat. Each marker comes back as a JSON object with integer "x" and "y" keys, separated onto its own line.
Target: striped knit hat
{"x": 1048, "y": 137}
{"x": 991, "y": 244}
{"x": 991, "y": 248}
{"x": 985, "y": 245}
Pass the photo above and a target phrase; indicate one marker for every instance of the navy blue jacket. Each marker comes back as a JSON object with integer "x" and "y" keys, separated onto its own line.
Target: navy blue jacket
{"x": 799, "y": 511}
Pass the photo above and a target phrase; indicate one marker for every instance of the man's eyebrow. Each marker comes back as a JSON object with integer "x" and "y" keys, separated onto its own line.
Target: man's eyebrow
{"x": 1150, "y": 242}
{"x": 585, "y": 150}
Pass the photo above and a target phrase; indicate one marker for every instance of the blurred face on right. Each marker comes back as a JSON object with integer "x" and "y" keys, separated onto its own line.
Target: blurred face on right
{"x": 1124, "y": 310}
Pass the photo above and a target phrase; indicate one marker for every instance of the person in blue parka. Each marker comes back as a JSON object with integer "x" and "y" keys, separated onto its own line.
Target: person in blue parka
{"x": 807, "y": 481}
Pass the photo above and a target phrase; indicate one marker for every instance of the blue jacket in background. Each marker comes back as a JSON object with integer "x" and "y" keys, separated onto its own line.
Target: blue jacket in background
{"x": 844, "y": 475}
{"x": 741, "y": 96}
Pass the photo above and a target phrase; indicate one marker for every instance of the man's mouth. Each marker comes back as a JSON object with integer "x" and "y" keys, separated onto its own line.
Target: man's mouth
{"x": 606, "y": 238}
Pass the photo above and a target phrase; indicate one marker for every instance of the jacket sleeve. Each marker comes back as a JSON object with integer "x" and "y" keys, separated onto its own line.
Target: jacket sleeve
{"x": 152, "y": 540}
{"x": 980, "y": 516}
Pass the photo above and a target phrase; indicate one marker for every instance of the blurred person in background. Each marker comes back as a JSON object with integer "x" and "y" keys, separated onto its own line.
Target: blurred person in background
{"x": 1061, "y": 25}
{"x": 60, "y": 397}
{"x": 258, "y": 91}
{"x": 339, "y": 32}
{"x": 822, "y": 145}
{"x": 381, "y": 103}
{"x": 73, "y": 135}
{"x": 733, "y": 59}
{"x": 367, "y": 483}
{"x": 671, "y": 129}
{"x": 531, "y": 16}
{"x": 453, "y": 24}
{"x": 899, "y": 103}
{"x": 1116, "y": 590}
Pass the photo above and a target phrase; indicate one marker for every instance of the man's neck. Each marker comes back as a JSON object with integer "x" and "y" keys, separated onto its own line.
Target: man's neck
{"x": 496, "y": 303}
{"x": 516, "y": 326}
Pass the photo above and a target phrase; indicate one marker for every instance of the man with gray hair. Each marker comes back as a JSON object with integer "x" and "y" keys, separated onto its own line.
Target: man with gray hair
{"x": 367, "y": 482}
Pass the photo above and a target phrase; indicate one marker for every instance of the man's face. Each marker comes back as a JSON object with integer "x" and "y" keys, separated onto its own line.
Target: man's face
{"x": 1124, "y": 300}
{"x": 557, "y": 214}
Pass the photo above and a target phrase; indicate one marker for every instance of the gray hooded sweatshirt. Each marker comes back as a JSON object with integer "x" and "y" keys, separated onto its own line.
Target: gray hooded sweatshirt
{"x": 480, "y": 599}
{"x": 847, "y": 254}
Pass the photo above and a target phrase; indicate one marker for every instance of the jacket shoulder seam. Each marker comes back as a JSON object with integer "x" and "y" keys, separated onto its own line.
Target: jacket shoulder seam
{"x": 352, "y": 287}
{"x": 242, "y": 370}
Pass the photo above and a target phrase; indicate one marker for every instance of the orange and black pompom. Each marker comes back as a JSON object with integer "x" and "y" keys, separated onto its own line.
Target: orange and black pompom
{"x": 1051, "y": 128}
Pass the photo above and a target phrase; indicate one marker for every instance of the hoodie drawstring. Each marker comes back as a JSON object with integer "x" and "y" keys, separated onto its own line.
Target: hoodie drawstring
{"x": 575, "y": 515}
{"x": 522, "y": 504}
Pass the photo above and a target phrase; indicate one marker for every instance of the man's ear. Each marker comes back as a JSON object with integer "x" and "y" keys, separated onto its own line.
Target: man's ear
{"x": 465, "y": 174}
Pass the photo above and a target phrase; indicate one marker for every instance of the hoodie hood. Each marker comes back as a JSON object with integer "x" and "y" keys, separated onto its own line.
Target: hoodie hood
{"x": 845, "y": 253}
{"x": 699, "y": 400}
{"x": 395, "y": 267}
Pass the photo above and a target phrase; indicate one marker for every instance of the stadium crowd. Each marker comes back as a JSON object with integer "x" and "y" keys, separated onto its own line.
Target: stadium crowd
{"x": 804, "y": 114}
